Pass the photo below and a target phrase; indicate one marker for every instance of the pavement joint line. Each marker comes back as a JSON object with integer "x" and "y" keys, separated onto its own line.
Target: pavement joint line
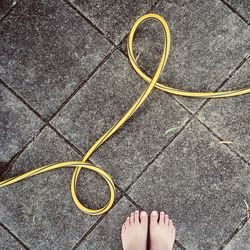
{"x": 157, "y": 155}
{"x": 47, "y": 121}
{"x": 197, "y": 112}
{"x": 24, "y": 147}
{"x": 8, "y": 12}
{"x": 78, "y": 151}
{"x": 98, "y": 29}
{"x": 82, "y": 84}
{"x": 14, "y": 236}
{"x": 236, "y": 12}
{"x": 154, "y": 5}
{"x": 127, "y": 34}
{"x": 234, "y": 234}
{"x": 221, "y": 139}
{"x": 89, "y": 21}
{"x": 20, "y": 98}
{"x": 85, "y": 235}
{"x": 133, "y": 201}
{"x": 140, "y": 208}
{"x": 75, "y": 148}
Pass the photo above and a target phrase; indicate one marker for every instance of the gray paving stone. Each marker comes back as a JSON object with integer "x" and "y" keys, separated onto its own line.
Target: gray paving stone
{"x": 230, "y": 117}
{"x": 17, "y": 125}
{"x": 102, "y": 102}
{"x": 241, "y": 240}
{"x": 5, "y": 6}
{"x": 242, "y": 6}
{"x": 200, "y": 184}
{"x": 207, "y": 42}
{"x": 8, "y": 241}
{"x": 40, "y": 210}
{"x": 48, "y": 50}
{"x": 107, "y": 234}
{"x": 114, "y": 18}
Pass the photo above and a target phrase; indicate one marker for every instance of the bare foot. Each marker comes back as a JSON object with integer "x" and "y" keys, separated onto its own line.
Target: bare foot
{"x": 135, "y": 231}
{"x": 162, "y": 232}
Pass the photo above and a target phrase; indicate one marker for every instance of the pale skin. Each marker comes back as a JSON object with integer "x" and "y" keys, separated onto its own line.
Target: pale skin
{"x": 138, "y": 228}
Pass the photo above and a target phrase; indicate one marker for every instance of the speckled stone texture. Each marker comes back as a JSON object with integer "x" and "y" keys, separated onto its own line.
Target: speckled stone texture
{"x": 201, "y": 184}
{"x": 241, "y": 240}
{"x": 115, "y": 17}
{"x": 230, "y": 118}
{"x": 65, "y": 80}
{"x": 5, "y": 6}
{"x": 242, "y": 6}
{"x": 8, "y": 241}
{"x": 208, "y": 41}
{"x": 17, "y": 125}
{"x": 48, "y": 50}
{"x": 40, "y": 210}
{"x": 102, "y": 102}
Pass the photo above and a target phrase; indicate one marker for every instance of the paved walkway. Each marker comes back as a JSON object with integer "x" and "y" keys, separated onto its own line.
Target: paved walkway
{"x": 65, "y": 79}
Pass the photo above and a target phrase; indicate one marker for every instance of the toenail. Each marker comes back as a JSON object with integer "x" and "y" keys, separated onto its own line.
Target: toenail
{"x": 154, "y": 213}
{"x": 143, "y": 213}
{"x": 162, "y": 212}
{"x": 136, "y": 211}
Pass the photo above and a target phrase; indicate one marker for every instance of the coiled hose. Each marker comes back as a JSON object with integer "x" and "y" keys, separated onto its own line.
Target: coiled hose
{"x": 84, "y": 164}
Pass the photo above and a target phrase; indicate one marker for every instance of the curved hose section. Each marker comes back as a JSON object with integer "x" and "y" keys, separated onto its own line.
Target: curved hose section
{"x": 83, "y": 164}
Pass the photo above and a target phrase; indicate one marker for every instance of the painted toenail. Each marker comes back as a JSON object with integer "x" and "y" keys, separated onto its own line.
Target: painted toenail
{"x": 154, "y": 213}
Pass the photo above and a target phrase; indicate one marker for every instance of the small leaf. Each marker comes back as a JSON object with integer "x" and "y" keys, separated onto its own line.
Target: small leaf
{"x": 170, "y": 130}
{"x": 225, "y": 142}
{"x": 34, "y": 217}
{"x": 136, "y": 59}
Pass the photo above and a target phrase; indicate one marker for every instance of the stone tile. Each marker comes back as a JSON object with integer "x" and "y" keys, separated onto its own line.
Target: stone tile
{"x": 242, "y": 6}
{"x": 207, "y": 42}
{"x": 200, "y": 184}
{"x": 229, "y": 117}
{"x": 48, "y": 50}
{"x": 40, "y": 210}
{"x": 241, "y": 240}
{"x": 101, "y": 102}
{"x": 107, "y": 234}
{"x": 5, "y": 6}
{"x": 114, "y": 18}
{"x": 8, "y": 241}
{"x": 17, "y": 125}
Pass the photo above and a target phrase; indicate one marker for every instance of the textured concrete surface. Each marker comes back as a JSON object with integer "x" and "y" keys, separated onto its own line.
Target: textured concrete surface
{"x": 241, "y": 241}
{"x": 242, "y": 7}
{"x": 18, "y": 124}
{"x": 46, "y": 52}
{"x": 114, "y": 18}
{"x": 8, "y": 241}
{"x": 202, "y": 184}
{"x": 5, "y": 7}
{"x": 207, "y": 42}
{"x": 229, "y": 118}
{"x": 65, "y": 79}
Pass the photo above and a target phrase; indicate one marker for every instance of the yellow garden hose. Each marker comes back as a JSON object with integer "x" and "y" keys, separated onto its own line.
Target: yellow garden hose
{"x": 83, "y": 164}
